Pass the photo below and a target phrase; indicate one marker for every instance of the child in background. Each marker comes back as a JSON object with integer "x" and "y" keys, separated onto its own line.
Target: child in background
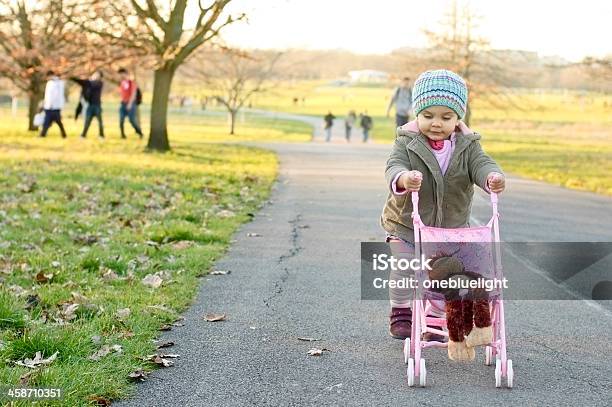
{"x": 439, "y": 156}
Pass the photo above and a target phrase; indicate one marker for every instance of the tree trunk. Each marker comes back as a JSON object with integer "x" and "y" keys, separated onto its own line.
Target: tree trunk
{"x": 34, "y": 98}
{"x": 232, "y": 121}
{"x": 158, "y": 137}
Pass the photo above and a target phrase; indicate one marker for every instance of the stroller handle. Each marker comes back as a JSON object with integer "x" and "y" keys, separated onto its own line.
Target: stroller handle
{"x": 415, "y": 202}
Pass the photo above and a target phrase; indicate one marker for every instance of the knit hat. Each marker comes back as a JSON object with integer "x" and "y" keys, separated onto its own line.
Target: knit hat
{"x": 440, "y": 88}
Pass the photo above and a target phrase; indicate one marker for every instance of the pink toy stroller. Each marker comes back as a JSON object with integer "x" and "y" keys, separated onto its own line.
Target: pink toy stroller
{"x": 488, "y": 237}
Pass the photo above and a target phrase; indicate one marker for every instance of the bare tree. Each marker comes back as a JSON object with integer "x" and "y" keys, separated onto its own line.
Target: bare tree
{"x": 36, "y": 37}
{"x": 159, "y": 29}
{"x": 234, "y": 76}
{"x": 455, "y": 46}
{"x": 33, "y": 36}
{"x": 458, "y": 46}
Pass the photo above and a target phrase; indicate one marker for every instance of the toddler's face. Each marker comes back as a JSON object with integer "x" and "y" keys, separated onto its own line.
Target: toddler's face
{"x": 437, "y": 122}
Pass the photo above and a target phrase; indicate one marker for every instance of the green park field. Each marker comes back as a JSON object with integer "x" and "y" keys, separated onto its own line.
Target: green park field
{"x": 83, "y": 222}
{"x": 564, "y": 138}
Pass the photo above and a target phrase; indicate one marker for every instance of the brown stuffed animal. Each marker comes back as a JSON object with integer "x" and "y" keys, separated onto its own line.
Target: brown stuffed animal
{"x": 468, "y": 318}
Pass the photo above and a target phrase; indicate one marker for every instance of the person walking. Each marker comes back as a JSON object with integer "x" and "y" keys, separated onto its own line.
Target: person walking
{"x": 366, "y": 125}
{"x": 349, "y": 122}
{"x": 402, "y": 99}
{"x": 329, "y": 122}
{"x": 53, "y": 103}
{"x": 92, "y": 93}
{"x": 128, "y": 91}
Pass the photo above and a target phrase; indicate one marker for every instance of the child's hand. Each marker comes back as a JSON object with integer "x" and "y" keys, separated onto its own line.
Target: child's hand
{"x": 496, "y": 182}
{"x": 411, "y": 181}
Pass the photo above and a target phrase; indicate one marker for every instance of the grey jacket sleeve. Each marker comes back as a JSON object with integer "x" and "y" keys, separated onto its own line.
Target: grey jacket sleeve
{"x": 480, "y": 165}
{"x": 398, "y": 161}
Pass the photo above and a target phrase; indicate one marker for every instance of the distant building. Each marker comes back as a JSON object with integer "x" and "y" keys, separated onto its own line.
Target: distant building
{"x": 368, "y": 76}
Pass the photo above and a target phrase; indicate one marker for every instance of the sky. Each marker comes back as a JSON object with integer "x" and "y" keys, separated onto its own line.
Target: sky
{"x": 570, "y": 29}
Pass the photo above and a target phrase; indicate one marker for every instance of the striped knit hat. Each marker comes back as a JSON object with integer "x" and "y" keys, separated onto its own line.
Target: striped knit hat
{"x": 440, "y": 88}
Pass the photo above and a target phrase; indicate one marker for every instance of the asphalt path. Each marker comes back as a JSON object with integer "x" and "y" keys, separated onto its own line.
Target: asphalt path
{"x": 301, "y": 278}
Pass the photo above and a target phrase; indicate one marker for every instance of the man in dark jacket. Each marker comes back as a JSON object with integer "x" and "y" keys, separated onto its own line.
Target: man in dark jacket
{"x": 366, "y": 125}
{"x": 92, "y": 93}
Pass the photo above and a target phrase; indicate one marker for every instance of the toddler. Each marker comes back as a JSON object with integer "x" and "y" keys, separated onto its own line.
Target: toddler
{"x": 439, "y": 156}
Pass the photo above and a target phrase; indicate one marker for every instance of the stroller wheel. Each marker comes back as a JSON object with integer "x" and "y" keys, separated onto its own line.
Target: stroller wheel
{"x": 488, "y": 355}
{"x": 423, "y": 374}
{"x": 498, "y": 373}
{"x": 406, "y": 350}
{"x": 410, "y": 372}
{"x": 509, "y": 374}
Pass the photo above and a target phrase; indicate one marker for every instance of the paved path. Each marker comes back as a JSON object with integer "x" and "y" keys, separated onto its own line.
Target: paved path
{"x": 301, "y": 279}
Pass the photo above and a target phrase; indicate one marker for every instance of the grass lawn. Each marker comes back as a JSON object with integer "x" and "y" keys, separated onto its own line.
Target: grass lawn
{"x": 88, "y": 229}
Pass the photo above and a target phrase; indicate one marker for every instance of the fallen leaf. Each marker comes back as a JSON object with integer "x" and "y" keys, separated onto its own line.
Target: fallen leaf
{"x": 161, "y": 360}
{"x": 152, "y": 280}
{"x": 335, "y": 386}
{"x": 79, "y": 298}
{"x": 109, "y": 275}
{"x": 214, "y": 317}
{"x": 143, "y": 258}
{"x": 86, "y": 239}
{"x": 27, "y": 186}
{"x": 68, "y": 311}
{"x": 100, "y": 400}
{"x": 84, "y": 188}
{"x": 165, "y": 345}
{"x": 17, "y": 290}
{"x": 225, "y": 213}
{"x": 37, "y": 361}
{"x": 138, "y": 375}
{"x": 182, "y": 244}
{"x": 32, "y": 301}
{"x": 317, "y": 352}
{"x": 24, "y": 379}
{"x": 42, "y": 277}
{"x": 308, "y": 339}
{"x": 105, "y": 350}
{"x": 220, "y": 272}
{"x": 164, "y": 274}
{"x": 122, "y": 313}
